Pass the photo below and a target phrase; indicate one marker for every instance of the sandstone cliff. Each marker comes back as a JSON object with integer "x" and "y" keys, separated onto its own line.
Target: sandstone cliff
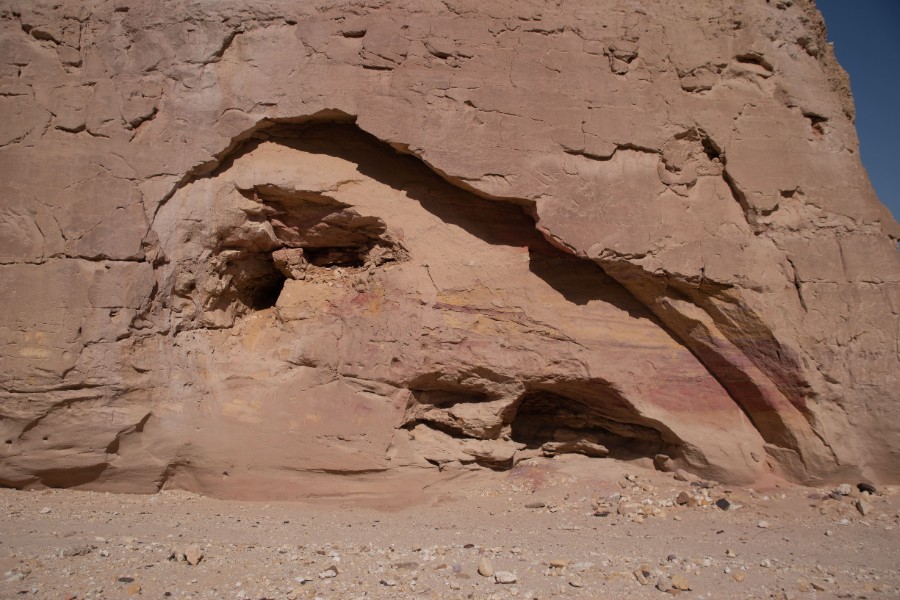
{"x": 340, "y": 247}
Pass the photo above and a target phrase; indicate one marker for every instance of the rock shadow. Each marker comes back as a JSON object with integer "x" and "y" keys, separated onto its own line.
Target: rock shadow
{"x": 499, "y": 221}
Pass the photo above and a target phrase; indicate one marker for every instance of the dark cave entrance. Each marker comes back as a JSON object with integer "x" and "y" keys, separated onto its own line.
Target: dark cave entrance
{"x": 256, "y": 281}
{"x": 600, "y": 426}
{"x": 265, "y": 294}
{"x": 316, "y": 238}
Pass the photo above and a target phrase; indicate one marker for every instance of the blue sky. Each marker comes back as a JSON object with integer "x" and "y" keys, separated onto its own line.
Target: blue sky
{"x": 866, "y": 36}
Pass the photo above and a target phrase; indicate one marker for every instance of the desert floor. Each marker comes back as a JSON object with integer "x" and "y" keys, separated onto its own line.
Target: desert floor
{"x": 566, "y": 528}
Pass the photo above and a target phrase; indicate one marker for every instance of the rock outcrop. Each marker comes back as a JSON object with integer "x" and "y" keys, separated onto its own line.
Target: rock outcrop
{"x": 296, "y": 249}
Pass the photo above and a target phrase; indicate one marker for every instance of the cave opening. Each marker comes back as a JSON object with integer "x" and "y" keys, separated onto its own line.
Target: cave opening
{"x": 254, "y": 277}
{"x": 561, "y": 424}
{"x": 267, "y": 291}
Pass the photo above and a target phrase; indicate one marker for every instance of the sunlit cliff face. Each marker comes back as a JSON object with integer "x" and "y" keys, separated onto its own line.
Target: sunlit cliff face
{"x": 341, "y": 303}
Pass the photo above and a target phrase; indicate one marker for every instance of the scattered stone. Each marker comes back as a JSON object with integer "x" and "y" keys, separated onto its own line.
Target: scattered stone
{"x": 46, "y": 510}
{"x": 866, "y": 487}
{"x": 738, "y": 576}
{"x": 75, "y": 551}
{"x": 485, "y": 568}
{"x": 576, "y": 582}
{"x": 193, "y": 554}
{"x": 662, "y": 462}
{"x": 505, "y": 577}
{"x": 680, "y": 582}
{"x": 329, "y": 573}
{"x": 682, "y": 475}
{"x": 724, "y": 504}
{"x": 685, "y": 499}
{"x": 133, "y": 589}
{"x": 817, "y": 586}
{"x": 389, "y": 582}
{"x": 763, "y": 524}
{"x": 536, "y": 504}
{"x": 573, "y": 443}
{"x": 844, "y": 489}
{"x": 642, "y": 574}
{"x": 863, "y": 506}
{"x": 664, "y": 585}
{"x": 559, "y": 563}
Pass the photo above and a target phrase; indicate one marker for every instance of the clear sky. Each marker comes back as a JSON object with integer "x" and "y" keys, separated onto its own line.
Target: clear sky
{"x": 866, "y": 36}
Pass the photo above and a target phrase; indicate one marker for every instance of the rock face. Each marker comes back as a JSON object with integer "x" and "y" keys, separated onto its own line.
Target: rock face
{"x": 315, "y": 248}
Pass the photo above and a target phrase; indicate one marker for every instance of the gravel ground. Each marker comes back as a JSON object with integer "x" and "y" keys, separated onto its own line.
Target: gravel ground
{"x": 565, "y": 528}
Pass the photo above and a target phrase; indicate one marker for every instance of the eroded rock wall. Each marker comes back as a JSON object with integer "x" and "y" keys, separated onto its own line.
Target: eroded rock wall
{"x": 355, "y": 247}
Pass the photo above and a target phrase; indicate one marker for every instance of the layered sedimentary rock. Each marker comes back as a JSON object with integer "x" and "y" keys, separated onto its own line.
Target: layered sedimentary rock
{"x": 349, "y": 247}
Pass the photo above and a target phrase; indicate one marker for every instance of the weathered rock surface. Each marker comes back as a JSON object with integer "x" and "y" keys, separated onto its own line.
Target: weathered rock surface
{"x": 326, "y": 248}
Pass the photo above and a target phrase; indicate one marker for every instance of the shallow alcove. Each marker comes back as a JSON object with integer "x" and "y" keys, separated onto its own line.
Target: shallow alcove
{"x": 559, "y": 424}
{"x": 254, "y": 280}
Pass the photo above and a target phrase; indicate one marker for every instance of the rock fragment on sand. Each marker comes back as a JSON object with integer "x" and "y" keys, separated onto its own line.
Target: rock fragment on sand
{"x": 643, "y": 575}
{"x": 680, "y": 582}
{"x": 505, "y": 577}
{"x": 193, "y": 554}
{"x": 329, "y": 573}
{"x": 485, "y": 568}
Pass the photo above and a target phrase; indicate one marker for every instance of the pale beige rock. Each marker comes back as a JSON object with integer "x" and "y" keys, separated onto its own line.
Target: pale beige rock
{"x": 193, "y": 554}
{"x": 485, "y": 568}
{"x": 246, "y": 249}
{"x": 680, "y": 582}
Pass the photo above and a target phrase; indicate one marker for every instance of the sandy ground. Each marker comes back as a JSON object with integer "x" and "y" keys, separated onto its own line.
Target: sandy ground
{"x": 566, "y": 528}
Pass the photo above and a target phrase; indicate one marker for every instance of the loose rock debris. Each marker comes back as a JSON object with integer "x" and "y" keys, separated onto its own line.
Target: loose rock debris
{"x": 478, "y": 541}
